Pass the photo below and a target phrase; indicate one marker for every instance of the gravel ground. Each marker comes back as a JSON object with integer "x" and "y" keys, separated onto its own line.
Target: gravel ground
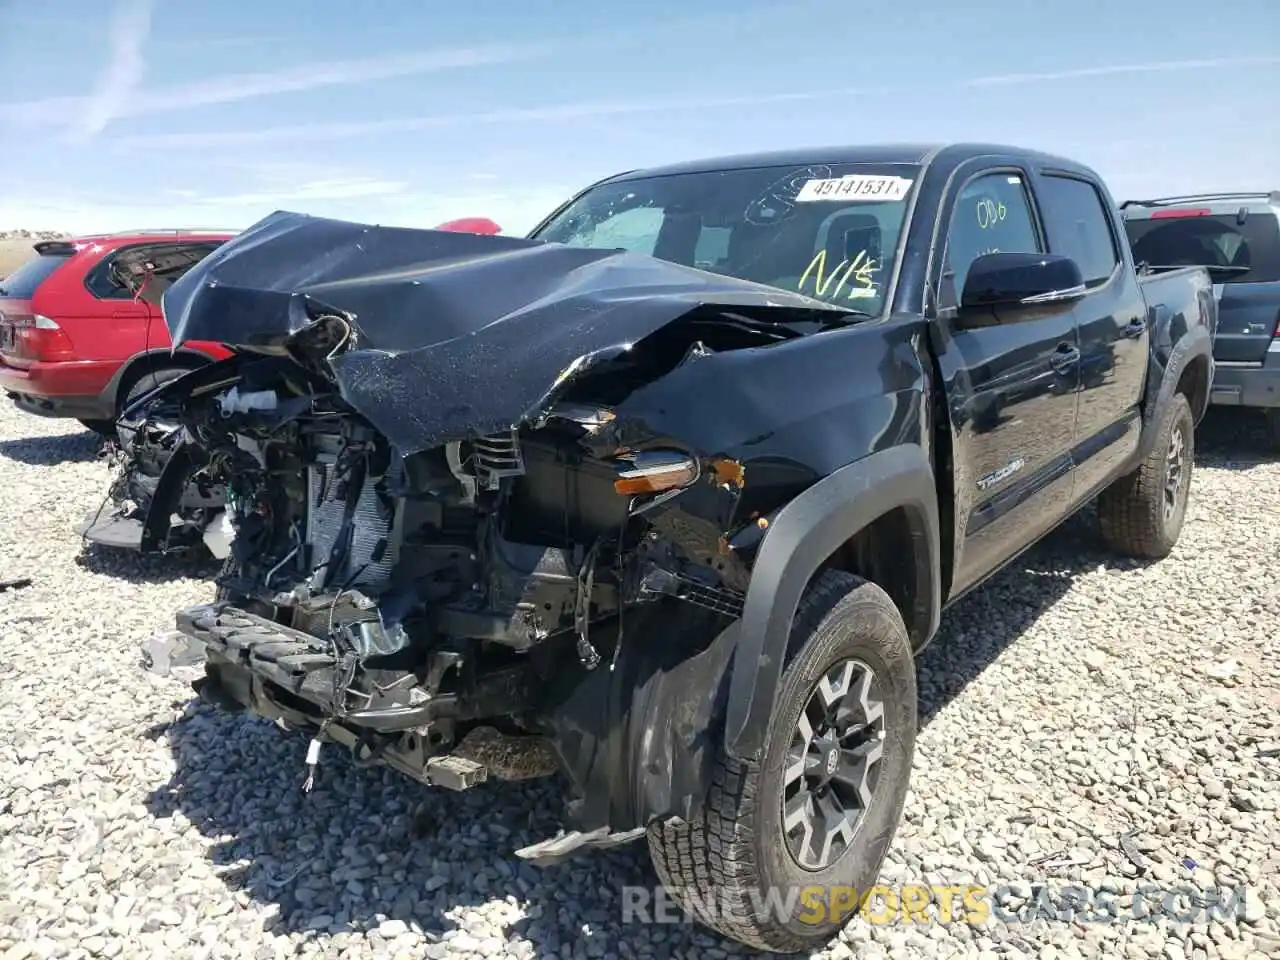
{"x": 1071, "y": 703}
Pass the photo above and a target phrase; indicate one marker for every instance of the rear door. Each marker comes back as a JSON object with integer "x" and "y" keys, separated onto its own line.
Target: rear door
{"x": 1111, "y": 319}
{"x": 1240, "y": 244}
{"x": 126, "y": 285}
{"x": 112, "y": 324}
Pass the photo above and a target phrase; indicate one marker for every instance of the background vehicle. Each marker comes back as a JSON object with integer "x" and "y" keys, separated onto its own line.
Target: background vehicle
{"x": 145, "y": 434}
{"x": 540, "y": 528}
{"x": 75, "y": 342}
{"x": 1237, "y": 237}
{"x": 472, "y": 225}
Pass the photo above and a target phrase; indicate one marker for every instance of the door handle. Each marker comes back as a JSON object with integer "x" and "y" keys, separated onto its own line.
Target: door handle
{"x": 1065, "y": 358}
{"x": 1135, "y": 328}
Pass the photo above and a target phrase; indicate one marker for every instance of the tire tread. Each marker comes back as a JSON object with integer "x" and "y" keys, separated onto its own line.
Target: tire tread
{"x": 1131, "y": 510}
{"x": 713, "y": 855}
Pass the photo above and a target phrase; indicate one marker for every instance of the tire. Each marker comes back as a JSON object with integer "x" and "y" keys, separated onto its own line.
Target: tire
{"x": 1141, "y": 514}
{"x": 106, "y": 428}
{"x": 149, "y": 380}
{"x": 734, "y": 855}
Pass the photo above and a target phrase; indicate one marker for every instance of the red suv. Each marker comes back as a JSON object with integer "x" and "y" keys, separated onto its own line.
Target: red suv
{"x": 75, "y": 342}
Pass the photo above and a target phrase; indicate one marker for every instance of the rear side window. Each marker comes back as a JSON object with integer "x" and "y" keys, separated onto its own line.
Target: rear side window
{"x": 1234, "y": 252}
{"x": 635, "y": 230}
{"x": 1078, "y": 226}
{"x": 172, "y": 260}
{"x": 22, "y": 283}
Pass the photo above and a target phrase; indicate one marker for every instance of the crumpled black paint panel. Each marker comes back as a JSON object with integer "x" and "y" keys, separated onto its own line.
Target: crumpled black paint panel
{"x": 639, "y": 740}
{"x": 457, "y": 334}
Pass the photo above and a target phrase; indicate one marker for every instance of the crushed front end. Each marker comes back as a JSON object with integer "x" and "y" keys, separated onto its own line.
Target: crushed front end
{"x": 486, "y": 513}
{"x": 439, "y": 612}
{"x": 138, "y": 455}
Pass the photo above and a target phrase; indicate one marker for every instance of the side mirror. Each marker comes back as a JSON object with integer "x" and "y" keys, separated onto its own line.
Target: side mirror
{"x": 1005, "y": 287}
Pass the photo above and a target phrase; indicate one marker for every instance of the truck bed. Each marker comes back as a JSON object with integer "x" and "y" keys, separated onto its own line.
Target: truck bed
{"x": 1178, "y": 294}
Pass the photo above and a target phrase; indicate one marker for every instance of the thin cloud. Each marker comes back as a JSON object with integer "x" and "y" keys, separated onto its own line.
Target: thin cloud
{"x": 551, "y": 114}
{"x": 37, "y": 208}
{"x": 345, "y": 188}
{"x": 236, "y": 87}
{"x": 119, "y": 99}
{"x": 362, "y": 199}
{"x": 1167, "y": 66}
{"x": 339, "y": 130}
{"x": 313, "y": 75}
{"x": 127, "y": 36}
{"x": 246, "y": 86}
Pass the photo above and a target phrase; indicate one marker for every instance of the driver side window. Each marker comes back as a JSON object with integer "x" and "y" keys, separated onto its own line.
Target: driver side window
{"x": 635, "y": 230}
{"x": 992, "y": 215}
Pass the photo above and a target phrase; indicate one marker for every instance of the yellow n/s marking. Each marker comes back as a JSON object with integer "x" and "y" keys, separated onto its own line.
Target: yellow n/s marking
{"x": 860, "y": 268}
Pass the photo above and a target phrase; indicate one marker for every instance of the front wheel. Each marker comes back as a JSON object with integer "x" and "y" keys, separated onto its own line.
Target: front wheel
{"x": 1141, "y": 514}
{"x": 783, "y": 850}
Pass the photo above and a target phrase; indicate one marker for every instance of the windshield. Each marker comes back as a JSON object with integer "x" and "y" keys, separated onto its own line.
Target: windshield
{"x": 828, "y": 231}
{"x": 22, "y": 283}
{"x": 1234, "y": 252}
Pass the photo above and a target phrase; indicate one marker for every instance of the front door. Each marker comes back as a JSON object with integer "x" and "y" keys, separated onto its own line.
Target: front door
{"x": 1013, "y": 389}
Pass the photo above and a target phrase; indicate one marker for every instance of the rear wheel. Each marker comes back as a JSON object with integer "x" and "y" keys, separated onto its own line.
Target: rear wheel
{"x": 106, "y": 428}
{"x": 821, "y": 807}
{"x": 1141, "y": 514}
{"x": 147, "y": 380}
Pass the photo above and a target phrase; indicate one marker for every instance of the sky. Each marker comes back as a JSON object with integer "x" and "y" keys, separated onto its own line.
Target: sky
{"x": 124, "y": 114}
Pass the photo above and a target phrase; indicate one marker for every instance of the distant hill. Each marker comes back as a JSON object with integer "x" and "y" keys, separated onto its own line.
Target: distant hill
{"x": 32, "y": 235}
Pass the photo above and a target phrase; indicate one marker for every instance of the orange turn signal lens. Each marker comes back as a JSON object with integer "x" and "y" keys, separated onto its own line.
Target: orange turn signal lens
{"x": 655, "y": 471}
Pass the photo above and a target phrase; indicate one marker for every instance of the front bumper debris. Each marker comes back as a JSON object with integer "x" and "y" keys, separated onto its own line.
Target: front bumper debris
{"x": 550, "y": 852}
{"x": 295, "y": 678}
{"x": 165, "y": 652}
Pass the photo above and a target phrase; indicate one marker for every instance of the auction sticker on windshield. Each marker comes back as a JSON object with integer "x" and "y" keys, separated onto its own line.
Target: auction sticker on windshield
{"x": 855, "y": 186}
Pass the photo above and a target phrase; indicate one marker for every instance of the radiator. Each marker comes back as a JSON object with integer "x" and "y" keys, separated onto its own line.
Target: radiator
{"x": 369, "y": 528}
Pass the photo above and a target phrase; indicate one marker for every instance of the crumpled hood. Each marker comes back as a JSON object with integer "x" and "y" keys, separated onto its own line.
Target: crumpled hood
{"x": 456, "y": 335}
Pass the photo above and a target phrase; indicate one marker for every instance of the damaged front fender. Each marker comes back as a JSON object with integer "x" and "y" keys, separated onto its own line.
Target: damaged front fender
{"x": 805, "y": 533}
{"x": 639, "y": 738}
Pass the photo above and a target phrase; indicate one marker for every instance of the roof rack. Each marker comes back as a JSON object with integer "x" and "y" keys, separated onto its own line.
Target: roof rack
{"x": 1271, "y": 196}
{"x": 167, "y": 231}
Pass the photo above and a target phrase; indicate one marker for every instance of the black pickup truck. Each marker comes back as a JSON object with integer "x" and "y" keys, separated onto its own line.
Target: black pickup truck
{"x": 666, "y": 496}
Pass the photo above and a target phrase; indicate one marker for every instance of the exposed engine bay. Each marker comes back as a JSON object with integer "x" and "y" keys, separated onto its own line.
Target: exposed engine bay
{"x": 460, "y": 570}
{"x": 426, "y": 611}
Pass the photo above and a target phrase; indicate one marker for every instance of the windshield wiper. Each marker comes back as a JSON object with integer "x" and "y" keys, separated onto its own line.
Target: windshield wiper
{"x": 822, "y": 318}
{"x": 845, "y": 319}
